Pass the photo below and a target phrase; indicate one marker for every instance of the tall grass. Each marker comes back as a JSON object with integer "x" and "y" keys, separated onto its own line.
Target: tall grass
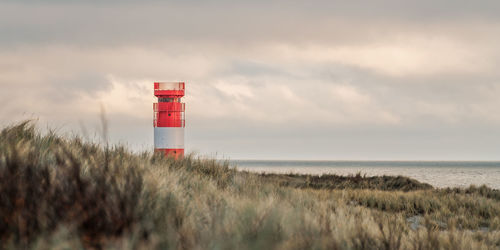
{"x": 60, "y": 192}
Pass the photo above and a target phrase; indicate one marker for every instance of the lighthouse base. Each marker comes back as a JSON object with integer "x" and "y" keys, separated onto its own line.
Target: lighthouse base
{"x": 177, "y": 153}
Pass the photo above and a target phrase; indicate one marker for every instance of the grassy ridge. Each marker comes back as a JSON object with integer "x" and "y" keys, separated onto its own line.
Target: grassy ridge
{"x": 58, "y": 192}
{"x": 357, "y": 181}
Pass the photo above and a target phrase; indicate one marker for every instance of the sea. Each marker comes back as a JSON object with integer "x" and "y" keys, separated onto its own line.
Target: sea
{"x": 437, "y": 173}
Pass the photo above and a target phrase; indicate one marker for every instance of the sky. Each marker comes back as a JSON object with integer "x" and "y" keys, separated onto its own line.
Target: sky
{"x": 310, "y": 80}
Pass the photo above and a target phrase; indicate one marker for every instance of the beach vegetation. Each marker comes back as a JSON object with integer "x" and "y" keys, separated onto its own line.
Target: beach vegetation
{"x": 66, "y": 192}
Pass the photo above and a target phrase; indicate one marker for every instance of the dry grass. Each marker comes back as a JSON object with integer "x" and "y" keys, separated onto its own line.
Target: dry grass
{"x": 58, "y": 192}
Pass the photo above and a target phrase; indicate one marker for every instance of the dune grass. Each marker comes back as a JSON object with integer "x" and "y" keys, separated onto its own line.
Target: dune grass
{"x": 62, "y": 192}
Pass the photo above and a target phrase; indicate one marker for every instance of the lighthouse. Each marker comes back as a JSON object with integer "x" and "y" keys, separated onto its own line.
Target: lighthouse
{"x": 168, "y": 119}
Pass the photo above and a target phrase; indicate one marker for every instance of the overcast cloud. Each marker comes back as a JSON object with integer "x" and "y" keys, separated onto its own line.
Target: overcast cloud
{"x": 395, "y": 80}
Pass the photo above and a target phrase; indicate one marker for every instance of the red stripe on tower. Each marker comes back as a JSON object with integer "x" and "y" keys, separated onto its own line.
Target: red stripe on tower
{"x": 169, "y": 120}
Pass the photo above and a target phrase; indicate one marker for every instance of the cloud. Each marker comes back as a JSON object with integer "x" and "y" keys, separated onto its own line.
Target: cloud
{"x": 294, "y": 78}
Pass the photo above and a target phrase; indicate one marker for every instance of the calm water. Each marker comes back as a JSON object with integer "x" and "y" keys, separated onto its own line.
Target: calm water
{"x": 438, "y": 174}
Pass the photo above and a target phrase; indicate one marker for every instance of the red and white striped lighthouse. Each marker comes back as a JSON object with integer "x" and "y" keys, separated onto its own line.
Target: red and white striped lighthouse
{"x": 169, "y": 120}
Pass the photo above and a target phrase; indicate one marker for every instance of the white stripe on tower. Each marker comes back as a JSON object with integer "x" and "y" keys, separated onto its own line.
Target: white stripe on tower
{"x": 169, "y": 137}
